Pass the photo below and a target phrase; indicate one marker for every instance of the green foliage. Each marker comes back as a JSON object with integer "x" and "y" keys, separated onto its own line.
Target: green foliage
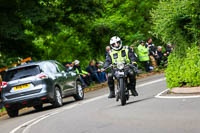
{"x": 3, "y": 109}
{"x": 7, "y": 61}
{"x": 66, "y": 30}
{"x": 177, "y": 21}
{"x": 184, "y": 71}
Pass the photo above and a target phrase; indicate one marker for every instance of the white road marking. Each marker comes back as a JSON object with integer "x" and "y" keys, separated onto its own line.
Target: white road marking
{"x": 27, "y": 125}
{"x": 158, "y": 95}
{"x": 174, "y": 97}
{"x": 152, "y": 82}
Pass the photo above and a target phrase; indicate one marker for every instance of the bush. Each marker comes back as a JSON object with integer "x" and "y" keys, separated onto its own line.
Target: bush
{"x": 177, "y": 21}
{"x": 184, "y": 71}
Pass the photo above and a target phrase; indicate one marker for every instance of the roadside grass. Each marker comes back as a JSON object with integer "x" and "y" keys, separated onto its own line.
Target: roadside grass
{"x": 3, "y": 109}
{"x": 2, "y": 112}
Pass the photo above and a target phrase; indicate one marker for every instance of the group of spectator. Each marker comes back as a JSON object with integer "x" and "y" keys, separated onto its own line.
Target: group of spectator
{"x": 93, "y": 72}
{"x": 149, "y": 54}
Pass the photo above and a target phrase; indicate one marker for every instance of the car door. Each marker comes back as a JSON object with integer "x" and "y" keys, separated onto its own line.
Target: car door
{"x": 72, "y": 75}
{"x": 56, "y": 75}
{"x": 68, "y": 78}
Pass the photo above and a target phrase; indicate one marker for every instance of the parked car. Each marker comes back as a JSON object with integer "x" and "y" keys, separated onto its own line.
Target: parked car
{"x": 37, "y": 83}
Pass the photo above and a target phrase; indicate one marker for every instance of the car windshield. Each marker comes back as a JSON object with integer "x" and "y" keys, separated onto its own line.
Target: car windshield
{"x": 21, "y": 73}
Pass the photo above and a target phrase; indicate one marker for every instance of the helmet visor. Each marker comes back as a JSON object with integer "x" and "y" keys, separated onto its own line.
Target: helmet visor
{"x": 116, "y": 45}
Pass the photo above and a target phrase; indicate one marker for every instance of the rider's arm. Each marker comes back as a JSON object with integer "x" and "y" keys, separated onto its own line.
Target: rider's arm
{"x": 108, "y": 61}
{"x": 132, "y": 56}
{"x": 133, "y": 59}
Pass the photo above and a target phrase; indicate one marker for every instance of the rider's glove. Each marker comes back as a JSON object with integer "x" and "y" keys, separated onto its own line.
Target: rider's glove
{"x": 134, "y": 63}
{"x": 135, "y": 67}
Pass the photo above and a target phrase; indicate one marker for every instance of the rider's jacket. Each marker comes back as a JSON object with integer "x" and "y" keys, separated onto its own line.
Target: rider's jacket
{"x": 125, "y": 55}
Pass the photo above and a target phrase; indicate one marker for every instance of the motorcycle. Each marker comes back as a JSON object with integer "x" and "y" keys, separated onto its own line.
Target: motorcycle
{"x": 121, "y": 75}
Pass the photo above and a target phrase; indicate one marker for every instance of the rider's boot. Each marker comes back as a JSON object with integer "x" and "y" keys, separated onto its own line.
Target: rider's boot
{"x": 111, "y": 86}
{"x": 112, "y": 93}
{"x": 134, "y": 92}
{"x": 131, "y": 87}
{"x": 132, "y": 84}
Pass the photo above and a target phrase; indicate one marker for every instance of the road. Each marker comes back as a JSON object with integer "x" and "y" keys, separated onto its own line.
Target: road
{"x": 98, "y": 114}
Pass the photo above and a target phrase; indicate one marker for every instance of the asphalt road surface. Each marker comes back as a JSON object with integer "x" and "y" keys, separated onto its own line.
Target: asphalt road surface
{"x": 98, "y": 114}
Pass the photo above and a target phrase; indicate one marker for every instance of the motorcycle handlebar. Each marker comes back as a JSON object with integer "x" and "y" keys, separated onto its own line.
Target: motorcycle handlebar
{"x": 115, "y": 65}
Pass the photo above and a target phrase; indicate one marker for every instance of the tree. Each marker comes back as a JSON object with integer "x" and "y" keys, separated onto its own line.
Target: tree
{"x": 66, "y": 30}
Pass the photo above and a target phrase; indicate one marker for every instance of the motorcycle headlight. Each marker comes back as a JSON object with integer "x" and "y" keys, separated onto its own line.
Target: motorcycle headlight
{"x": 120, "y": 66}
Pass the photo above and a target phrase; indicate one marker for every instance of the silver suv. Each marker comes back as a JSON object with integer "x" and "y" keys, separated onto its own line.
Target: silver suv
{"x": 37, "y": 83}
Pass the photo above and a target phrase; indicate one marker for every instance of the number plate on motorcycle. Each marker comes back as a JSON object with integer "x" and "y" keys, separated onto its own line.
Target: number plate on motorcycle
{"x": 121, "y": 73}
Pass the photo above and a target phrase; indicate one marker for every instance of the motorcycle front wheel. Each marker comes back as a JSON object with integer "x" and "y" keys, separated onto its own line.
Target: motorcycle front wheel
{"x": 122, "y": 91}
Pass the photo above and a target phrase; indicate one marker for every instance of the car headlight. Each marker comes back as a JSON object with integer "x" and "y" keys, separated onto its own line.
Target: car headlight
{"x": 120, "y": 66}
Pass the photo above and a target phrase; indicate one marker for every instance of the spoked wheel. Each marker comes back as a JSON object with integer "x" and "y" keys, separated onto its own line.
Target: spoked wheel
{"x": 122, "y": 92}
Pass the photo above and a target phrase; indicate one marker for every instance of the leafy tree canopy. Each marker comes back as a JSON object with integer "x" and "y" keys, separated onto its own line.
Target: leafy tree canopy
{"x": 70, "y": 29}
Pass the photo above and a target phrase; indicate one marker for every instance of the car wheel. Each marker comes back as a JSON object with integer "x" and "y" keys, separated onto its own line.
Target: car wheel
{"x": 12, "y": 112}
{"x": 79, "y": 92}
{"x": 58, "y": 101}
{"x": 38, "y": 107}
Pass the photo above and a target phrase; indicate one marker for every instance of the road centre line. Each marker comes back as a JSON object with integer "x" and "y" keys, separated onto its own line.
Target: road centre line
{"x": 152, "y": 82}
{"x": 174, "y": 97}
{"x": 27, "y": 125}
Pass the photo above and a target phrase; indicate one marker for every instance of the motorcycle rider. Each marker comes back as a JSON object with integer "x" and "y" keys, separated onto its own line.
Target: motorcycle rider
{"x": 124, "y": 54}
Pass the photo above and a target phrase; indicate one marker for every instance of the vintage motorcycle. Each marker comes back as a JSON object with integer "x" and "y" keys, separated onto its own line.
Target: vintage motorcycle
{"x": 120, "y": 74}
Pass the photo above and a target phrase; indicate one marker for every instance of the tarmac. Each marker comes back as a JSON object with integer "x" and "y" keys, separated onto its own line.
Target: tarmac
{"x": 175, "y": 91}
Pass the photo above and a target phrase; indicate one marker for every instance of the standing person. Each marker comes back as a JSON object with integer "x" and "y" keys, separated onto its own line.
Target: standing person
{"x": 132, "y": 50}
{"x": 92, "y": 70}
{"x": 143, "y": 53}
{"x": 107, "y": 51}
{"x": 120, "y": 54}
{"x": 152, "y": 52}
{"x": 84, "y": 76}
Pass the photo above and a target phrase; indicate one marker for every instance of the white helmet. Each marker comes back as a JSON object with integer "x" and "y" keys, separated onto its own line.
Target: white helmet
{"x": 76, "y": 62}
{"x": 115, "y": 43}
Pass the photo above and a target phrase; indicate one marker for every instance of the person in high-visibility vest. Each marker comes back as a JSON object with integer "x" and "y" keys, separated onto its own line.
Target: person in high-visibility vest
{"x": 143, "y": 53}
{"x": 84, "y": 76}
{"x": 122, "y": 54}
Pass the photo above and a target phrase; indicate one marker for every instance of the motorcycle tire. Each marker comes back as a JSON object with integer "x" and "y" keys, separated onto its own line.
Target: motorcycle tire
{"x": 123, "y": 97}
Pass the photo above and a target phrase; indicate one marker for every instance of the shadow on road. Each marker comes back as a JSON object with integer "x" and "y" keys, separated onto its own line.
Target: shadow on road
{"x": 133, "y": 102}
{"x": 45, "y": 108}
{"x": 140, "y": 100}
